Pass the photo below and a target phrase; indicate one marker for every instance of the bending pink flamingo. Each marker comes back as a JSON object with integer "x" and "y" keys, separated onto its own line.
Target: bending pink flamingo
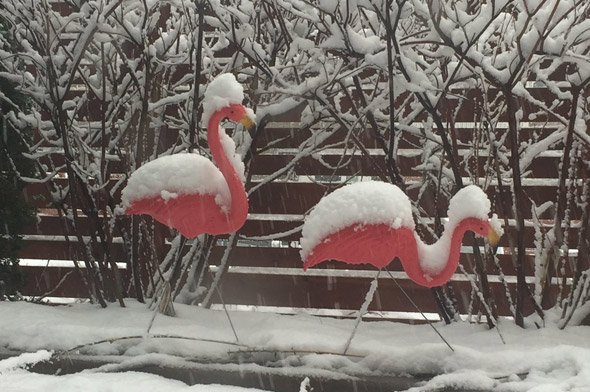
{"x": 187, "y": 191}
{"x": 371, "y": 222}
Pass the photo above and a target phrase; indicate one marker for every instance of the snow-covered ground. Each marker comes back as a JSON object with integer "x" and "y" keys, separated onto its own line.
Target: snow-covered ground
{"x": 546, "y": 359}
{"x": 21, "y": 380}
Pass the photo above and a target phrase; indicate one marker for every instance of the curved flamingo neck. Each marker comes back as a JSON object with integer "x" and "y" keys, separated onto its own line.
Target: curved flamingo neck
{"x": 238, "y": 209}
{"x": 421, "y": 263}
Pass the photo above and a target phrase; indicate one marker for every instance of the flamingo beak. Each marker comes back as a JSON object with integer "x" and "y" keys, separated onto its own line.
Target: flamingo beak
{"x": 248, "y": 123}
{"x": 493, "y": 237}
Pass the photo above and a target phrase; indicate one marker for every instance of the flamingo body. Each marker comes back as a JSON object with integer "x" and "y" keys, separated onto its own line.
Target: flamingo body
{"x": 363, "y": 244}
{"x": 379, "y": 231}
{"x": 188, "y": 192}
{"x": 191, "y": 215}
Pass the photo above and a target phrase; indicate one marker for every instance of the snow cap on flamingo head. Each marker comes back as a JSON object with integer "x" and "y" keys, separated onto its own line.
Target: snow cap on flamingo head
{"x": 472, "y": 202}
{"x": 221, "y": 92}
{"x": 469, "y": 202}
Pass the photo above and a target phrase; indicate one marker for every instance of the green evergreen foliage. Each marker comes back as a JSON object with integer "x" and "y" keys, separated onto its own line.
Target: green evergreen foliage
{"x": 15, "y": 212}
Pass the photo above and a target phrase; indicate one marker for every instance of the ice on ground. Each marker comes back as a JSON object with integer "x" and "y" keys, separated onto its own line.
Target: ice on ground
{"x": 369, "y": 202}
{"x": 550, "y": 358}
{"x": 172, "y": 175}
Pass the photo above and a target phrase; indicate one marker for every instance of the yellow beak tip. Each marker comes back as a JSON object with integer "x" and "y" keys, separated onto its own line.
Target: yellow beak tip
{"x": 247, "y": 122}
{"x": 493, "y": 237}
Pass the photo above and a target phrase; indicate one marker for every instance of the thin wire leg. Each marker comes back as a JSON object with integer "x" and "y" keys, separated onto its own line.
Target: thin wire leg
{"x": 418, "y": 309}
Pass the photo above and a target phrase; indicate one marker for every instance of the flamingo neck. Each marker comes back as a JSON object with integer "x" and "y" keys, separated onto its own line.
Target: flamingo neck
{"x": 434, "y": 264}
{"x": 238, "y": 208}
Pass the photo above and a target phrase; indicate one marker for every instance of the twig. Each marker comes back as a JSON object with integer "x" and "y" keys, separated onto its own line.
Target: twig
{"x": 156, "y": 336}
{"x": 368, "y": 299}
{"x": 295, "y": 351}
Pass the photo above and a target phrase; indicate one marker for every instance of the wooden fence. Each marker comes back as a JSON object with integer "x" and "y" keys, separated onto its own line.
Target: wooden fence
{"x": 267, "y": 274}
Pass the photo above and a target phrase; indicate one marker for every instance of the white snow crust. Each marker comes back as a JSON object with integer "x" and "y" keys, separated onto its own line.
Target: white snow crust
{"x": 173, "y": 175}
{"x": 222, "y": 91}
{"x": 369, "y": 202}
{"x": 24, "y": 381}
{"x": 548, "y": 359}
{"x": 25, "y": 359}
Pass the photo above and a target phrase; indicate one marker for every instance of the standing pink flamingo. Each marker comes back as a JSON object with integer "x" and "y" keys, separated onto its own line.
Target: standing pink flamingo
{"x": 371, "y": 222}
{"x": 187, "y": 191}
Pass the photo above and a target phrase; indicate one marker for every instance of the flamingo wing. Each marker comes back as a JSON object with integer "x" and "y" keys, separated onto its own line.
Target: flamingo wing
{"x": 183, "y": 191}
{"x": 191, "y": 215}
{"x": 375, "y": 244}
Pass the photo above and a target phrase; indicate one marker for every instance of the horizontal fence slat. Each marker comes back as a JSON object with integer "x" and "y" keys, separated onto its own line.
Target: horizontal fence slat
{"x": 286, "y": 259}
{"x": 343, "y": 293}
{"x": 262, "y": 227}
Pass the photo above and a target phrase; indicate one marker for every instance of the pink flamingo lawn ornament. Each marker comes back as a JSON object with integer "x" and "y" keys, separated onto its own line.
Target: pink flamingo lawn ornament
{"x": 371, "y": 222}
{"x": 187, "y": 191}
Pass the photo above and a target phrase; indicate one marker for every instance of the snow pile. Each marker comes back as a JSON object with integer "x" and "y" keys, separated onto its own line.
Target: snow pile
{"x": 22, "y": 381}
{"x": 305, "y": 385}
{"x": 556, "y": 369}
{"x": 23, "y": 360}
{"x": 221, "y": 92}
{"x": 370, "y": 202}
{"x": 173, "y": 175}
{"x": 550, "y": 358}
{"x": 472, "y": 380}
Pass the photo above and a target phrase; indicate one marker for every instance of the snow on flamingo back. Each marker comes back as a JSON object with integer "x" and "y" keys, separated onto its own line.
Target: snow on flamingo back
{"x": 361, "y": 203}
{"x": 173, "y": 175}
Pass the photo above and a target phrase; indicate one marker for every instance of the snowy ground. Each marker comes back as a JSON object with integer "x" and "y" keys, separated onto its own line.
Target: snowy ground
{"x": 21, "y": 380}
{"x": 545, "y": 359}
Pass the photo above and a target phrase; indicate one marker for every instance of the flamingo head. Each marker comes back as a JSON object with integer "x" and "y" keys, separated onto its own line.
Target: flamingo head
{"x": 238, "y": 113}
{"x": 485, "y": 228}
